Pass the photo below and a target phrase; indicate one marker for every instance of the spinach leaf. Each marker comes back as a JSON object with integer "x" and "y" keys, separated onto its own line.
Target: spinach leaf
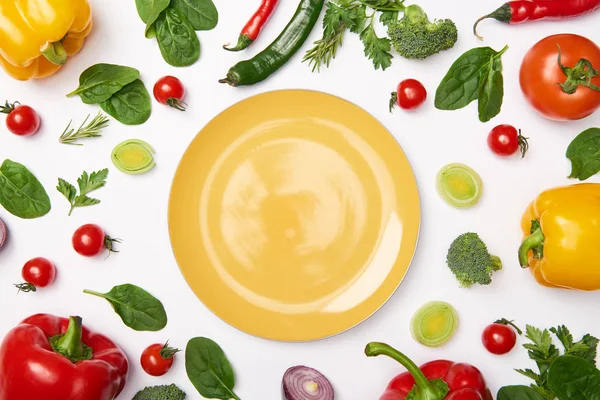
{"x": 130, "y": 105}
{"x": 572, "y": 378}
{"x": 178, "y": 43}
{"x": 99, "y": 82}
{"x": 149, "y": 10}
{"x": 209, "y": 370}
{"x": 584, "y": 153}
{"x": 202, "y": 14}
{"x": 518, "y": 393}
{"x": 21, "y": 194}
{"x": 138, "y": 309}
{"x": 491, "y": 91}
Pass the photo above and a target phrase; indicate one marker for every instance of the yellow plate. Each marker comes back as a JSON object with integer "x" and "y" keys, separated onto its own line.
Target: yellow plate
{"x": 294, "y": 215}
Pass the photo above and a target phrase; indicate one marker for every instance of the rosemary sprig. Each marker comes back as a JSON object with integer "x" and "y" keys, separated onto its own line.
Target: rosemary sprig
{"x": 91, "y": 130}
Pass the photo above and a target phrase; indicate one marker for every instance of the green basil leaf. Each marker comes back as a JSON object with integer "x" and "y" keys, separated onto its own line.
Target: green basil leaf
{"x": 209, "y": 370}
{"x": 149, "y": 10}
{"x": 572, "y": 378}
{"x": 138, "y": 309}
{"x": 21, "y": 194}
{"x": 518, "y": 393}
{"x": 178, "y": 43}
{"x": 130, "y": 105}
{"x": 584, "y": 153}
{"x": 491, "y": 91}
{"x": 460, "y": 86}
{"x": 202, "y": 14}
{"x": 99, "y": 82}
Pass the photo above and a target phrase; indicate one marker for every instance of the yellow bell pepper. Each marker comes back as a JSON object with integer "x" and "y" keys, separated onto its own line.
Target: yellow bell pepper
{"x": 562, "y": 237}
{"x": 37, "y": 36}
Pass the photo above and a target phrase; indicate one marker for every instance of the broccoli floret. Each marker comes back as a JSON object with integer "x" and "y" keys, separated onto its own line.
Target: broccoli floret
{"x": 416, "y": 38}
{"x": 160, "y": 392}
{"x": 469, "y": 259}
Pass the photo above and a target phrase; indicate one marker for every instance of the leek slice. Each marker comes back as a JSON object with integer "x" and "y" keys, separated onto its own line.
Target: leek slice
{"x": 459, "y": 185}
{"x": 133, "y": 156}
{"x": 434, "y": 324}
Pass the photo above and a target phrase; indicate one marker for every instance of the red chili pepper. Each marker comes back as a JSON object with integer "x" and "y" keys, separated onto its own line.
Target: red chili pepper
{"x": 254, "y": 26}
{"x": 53, "y": 358}
{"x": 516, "y": 12}
{"x": 435, "y": 380}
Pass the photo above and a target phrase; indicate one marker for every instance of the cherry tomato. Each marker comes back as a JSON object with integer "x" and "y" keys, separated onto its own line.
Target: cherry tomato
{"x": 505, "y": 140}
{"x": 90, "y": 240}
{"x": 170, "y": 91}
{"x": 498, "y": 338}
{"x": 541, "y": 76}
{"x": 410, "y": 95}
{"x": 21, "y": 120}
{"x": 157, "y": 359}
{"x": 37, "y": 272}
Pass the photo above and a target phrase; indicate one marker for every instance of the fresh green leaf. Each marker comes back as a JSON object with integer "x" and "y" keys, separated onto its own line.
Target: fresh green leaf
{"x": 590, "y": 354}
{"x": 87, "y": 183}
{"x": 21, "y": 194}
{"x": 388, "y": 17}
{"x": 376, "y": 48}
{"x": 572, "y": 378}
{"x": 584, "y": 153}
{"x": 138, "y": 309}
{"x": 99, "y": 82}
{"x": 91, "y": 130}
{"x": 178, "y": 43}
{"x": 491, "y": 91}
{"x": 202, "y": 14}
{"x": 209, "y": 370}
{"x": 384, "y": 5}
{"x": 518, "y": 393}
{"x": 149, "y": 10}
{"x": 130, "y": 105}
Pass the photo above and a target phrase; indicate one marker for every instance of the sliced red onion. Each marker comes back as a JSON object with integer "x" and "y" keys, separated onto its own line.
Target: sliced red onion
{"x": 2, "y": 233}
{"x": 304, "y": 383}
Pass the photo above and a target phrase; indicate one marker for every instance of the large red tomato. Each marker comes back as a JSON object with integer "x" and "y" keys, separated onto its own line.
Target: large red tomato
{"x": 541, "y": 77}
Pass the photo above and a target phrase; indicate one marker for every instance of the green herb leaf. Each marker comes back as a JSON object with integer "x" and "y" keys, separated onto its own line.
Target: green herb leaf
{"x": 85, "y": 201}
{"x": 130, "y": 105}
{"x": 138, "y": 309}
{"x": 376, "y": 48}
{"x": 572, "y": 378}
{"x": 584, "y": 153}
{"x": 491, "y": 91}
{"x": 91, "y": 130}
{"x": 201, "y": 14}
{"x": 178, "y": 43}
{"x": 518, "y": 393}
{"x": 21, "y": 194}
{"x": 209, "y": 370}
{"x": 99, "y": 82}
{"x": 95, "y": 181}
{"x": 149, "y": 10}
{"x": 388, "y": 17}
{"x": 68, "y": 190}
{"x": 87, "y": 183}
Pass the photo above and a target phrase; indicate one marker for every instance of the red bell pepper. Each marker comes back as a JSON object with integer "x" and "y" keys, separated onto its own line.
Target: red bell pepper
{"x": 435, "y": 380}
{"x": 52, "y": 358}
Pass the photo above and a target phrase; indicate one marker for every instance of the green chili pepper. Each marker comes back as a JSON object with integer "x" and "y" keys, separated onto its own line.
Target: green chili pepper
{"x": 278, "y": 53}
{"x": 133, "y": 156}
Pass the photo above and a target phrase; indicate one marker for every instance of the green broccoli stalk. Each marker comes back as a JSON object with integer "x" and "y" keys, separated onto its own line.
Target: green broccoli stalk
{"x": 468, "y": 258}
{"x": 160, "y": 392}
{"x": 415, "y": 37}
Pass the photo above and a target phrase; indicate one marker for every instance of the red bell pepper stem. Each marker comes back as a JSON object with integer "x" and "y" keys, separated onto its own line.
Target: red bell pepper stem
{"x": 424, "y": 389}
{"x": 252, "y": 29}
{"x": 516, "y": 12}
{"x": 70, "y": 344}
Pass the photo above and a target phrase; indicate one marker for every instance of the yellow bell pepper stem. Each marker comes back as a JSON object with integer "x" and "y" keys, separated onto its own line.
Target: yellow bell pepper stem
{"x": 534, "y": 242}
{"x": 54, "y": 52}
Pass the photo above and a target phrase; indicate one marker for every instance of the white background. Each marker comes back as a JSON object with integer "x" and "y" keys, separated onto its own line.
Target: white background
{"x": 135, "y": 207}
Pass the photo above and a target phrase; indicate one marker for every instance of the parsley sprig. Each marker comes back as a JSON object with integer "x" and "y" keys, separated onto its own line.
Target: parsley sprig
{"x": 351, "y": 15}
{"x": 87, "y": 183}
{"x": 91, "y": 130}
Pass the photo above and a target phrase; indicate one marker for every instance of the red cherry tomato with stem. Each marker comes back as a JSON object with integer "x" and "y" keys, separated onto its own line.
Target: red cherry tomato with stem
{"x": 90, "y": 240}
{"x": 410, "y": 94}
{"x": 38, "y": 272}
{"x": 170, "y": 91}
{"x": 21, "y": 120}
{"x": 157, "y": 359}
{"x": 504, "y": 140}
{"x": 500, "y": 337}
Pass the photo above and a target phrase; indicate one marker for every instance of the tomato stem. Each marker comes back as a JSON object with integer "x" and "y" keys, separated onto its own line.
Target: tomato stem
{"x": 25, "y": 287}
{"x": 504, "y": 321}
{"x": 7, "y": 108}
{"x": 168, "y": 352}
{"x": 580, "y": 75}
{"x": 393, "y": 100}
